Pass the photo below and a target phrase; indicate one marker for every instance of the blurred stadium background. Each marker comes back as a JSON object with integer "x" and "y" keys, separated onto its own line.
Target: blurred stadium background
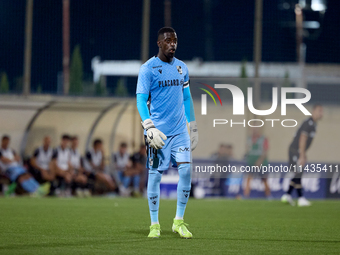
{"x": 71, "y": 67}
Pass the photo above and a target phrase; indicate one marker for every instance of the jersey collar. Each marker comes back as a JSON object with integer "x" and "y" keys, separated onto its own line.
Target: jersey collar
{"x": 171, "y": 63}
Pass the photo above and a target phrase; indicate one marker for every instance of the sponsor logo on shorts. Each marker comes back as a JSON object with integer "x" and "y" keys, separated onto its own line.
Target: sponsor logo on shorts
{"x": 183, "y": 149}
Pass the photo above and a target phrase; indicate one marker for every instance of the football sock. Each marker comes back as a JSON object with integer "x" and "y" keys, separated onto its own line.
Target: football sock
{"x": 298, "y": 186}
{"x": 183, "y": 189}
{"x": 30, "y": 185}
{"x": 136, "y": 181}
{"x": 291, "y": 187}
{"x": 153, "y": 190}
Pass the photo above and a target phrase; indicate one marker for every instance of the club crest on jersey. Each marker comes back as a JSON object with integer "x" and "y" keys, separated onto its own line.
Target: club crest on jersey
{"x": 179, "y": 69}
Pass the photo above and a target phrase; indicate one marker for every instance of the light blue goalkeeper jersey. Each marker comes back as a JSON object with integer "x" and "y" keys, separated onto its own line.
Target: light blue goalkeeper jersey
{"x": 164, "y": 83}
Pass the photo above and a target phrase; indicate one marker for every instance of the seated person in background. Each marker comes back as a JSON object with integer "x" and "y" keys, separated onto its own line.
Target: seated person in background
{"x": 61, "y": 166}
{"x": 121, "y": 161}
{"x": 39, "y": 164}
{"x": 94, "y": 165}
{"x": 80, "y": 179}
{"x": 137, "y": 171}
{"x": 9, "y": 162}
{"x": 5, "y": 181}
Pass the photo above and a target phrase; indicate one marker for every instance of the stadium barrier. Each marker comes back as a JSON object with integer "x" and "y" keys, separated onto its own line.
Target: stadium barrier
{"x": 320, "y": 185}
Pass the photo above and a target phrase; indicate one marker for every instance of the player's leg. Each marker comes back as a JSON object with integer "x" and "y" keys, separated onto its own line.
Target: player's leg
{"x": 296, "y": 182}
{"x": 181, "y": 151}
{"x": 27, "y": 182}
{"x": 126, "y": 181}
{"x": 65, "y": 182}
{"x": 183, "y": 188}
{"x": 80, "y": 181}
{"x": 89, "y": 186}
{"x": 157, "y": 161}
{"x": 68, "y": 178}
{"x": 153, "y": 191}
{"x": 247, "y": 188}
{"x": 106, "y": 180}
{"x": 287, "y": 197}
{"x": 302, "y": 201}
{"x": 36, "y": 174}
{"x": 136, "y": 183}
{"x": 266, "y": 188}
{"x": 47, "y": 175}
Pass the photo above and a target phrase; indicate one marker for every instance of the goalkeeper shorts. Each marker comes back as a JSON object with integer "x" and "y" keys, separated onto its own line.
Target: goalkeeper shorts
{"x": 176, "y": 149}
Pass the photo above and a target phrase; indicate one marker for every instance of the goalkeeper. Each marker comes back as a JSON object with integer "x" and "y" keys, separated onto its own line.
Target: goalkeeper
{"x": 163, "y": 83}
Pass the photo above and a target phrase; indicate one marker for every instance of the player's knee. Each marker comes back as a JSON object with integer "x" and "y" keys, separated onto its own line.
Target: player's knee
{"x": 24, "y": 177}
{"x": 155, "y": 177}
{"x": 184, "y": 171}
{"x": 68, "y": 178}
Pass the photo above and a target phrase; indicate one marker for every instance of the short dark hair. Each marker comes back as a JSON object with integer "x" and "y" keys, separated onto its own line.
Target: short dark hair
{"x": 5, "y": 137}
{"x": 97, "y": 141}
{"x": 165, "y": 30}
{"x": 65, "y": 137}
{"x": 123, "y": 145}
{"x": 316, "y": 106}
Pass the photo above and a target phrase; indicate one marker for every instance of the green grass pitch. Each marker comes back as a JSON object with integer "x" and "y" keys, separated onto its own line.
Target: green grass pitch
{"x": 120, "y": 226}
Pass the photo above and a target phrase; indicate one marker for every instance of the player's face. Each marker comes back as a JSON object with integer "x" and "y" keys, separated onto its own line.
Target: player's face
{"x": 75, "y": 143}
{"x": 123, "y": 149}
{"x": 229, "y": 151}
{"x": 64, "y": 143}
{"x": 318, "y": 113}
{"x": 168, "y": 44}
{"x": 47, "y": 141}
{"x": 99, "y": 147}
{"x": 5, "y": 143}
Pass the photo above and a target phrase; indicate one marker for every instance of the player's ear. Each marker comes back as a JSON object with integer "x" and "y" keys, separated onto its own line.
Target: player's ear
{"x": 159, "y": 44}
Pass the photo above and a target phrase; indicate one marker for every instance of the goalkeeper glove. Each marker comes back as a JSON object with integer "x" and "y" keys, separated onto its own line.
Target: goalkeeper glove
{"x": 193, "y": 134}
{"x": 153, "y": 135}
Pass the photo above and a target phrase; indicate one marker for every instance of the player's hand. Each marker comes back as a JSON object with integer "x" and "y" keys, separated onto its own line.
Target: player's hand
{"x": 193, "y": 134}
{"x": 153, "y": 135}
{"x": 302, "y": 160}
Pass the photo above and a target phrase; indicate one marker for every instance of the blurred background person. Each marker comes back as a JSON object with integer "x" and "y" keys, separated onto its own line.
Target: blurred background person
{"x": 230, "y": 152}
{"x": 137, "y": 171}
{"x": 121, "y": 161}
{"x": 80, "y": 179}
{"x": 256, "y": 155}
{"x": 298, "y": 157}
{"x": 94, "y": 165}
{"x": 222, "y": 155}
{"x": 39, "y": 163}
{"x": 10, "y": 163}
{"x": 61, "y": 166}
{"x": 221, "y": 158}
